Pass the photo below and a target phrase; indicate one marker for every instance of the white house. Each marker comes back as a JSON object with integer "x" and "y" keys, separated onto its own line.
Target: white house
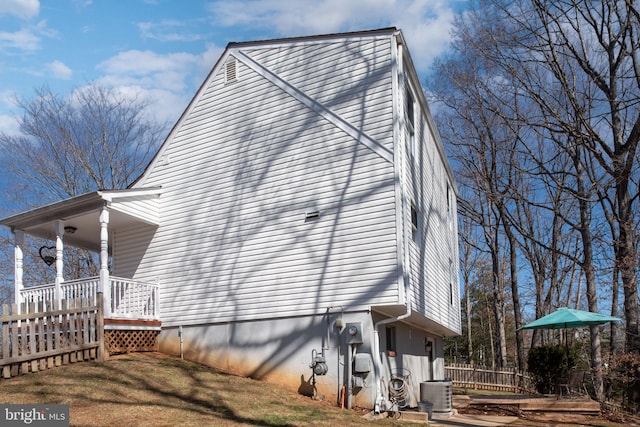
{"x": 298, "y": 225}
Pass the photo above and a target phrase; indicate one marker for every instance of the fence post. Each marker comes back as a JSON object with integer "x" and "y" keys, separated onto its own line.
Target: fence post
{"x": 475, "y": 377}
{"x": 100, "y": 326}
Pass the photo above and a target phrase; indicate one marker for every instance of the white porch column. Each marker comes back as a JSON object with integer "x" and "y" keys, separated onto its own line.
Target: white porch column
{"x": 59, "y": 261}
{"x": 18, "y": 286}
{"x": 105, "y": 287}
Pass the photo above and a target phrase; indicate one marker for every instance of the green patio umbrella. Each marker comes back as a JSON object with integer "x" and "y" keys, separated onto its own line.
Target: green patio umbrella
{"x": 565, "y": 318}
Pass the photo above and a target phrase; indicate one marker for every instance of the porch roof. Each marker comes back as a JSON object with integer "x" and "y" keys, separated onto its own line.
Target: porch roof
{"x": 126, "y": 207}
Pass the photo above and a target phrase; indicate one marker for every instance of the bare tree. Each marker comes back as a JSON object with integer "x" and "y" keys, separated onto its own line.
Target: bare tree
{"x": 93, "y": 139}
{"x": 576, "y": 65}
{"x": 583, "y": 70}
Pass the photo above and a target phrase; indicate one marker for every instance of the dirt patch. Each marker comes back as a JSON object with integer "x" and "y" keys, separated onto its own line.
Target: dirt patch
{"x": 542, "y": 419}
{"x": 498, "y": 410}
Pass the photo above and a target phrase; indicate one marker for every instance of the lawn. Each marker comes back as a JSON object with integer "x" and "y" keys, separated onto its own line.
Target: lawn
{"x": 150, "y": 389}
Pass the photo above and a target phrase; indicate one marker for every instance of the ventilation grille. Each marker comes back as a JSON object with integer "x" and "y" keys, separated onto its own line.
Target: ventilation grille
{"x": 231, "y": 71}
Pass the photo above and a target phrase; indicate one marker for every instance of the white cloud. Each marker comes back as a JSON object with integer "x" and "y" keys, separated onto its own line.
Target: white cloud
{"x": 26, "y": 39}
{"x": 81, "y": 4}
{"x": 166, "y": 80}
{"x": 23, "y": 9}
{"x": 168, "y": 30}
{"x": 60, "y": 70}
{"x": 9, "y": 125}
{"x": 142, "y": 62}
{"x": 425, "y": 24}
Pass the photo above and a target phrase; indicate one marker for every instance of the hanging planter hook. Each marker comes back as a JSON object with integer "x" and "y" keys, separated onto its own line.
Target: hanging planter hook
{"x": 47, "y": 257}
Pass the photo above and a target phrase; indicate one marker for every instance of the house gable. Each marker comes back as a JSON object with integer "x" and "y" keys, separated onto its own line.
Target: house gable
{"x": 250, "y": 159}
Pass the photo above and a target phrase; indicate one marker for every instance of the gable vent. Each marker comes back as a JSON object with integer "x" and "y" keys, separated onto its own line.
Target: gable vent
{"x": 231, "y": 71}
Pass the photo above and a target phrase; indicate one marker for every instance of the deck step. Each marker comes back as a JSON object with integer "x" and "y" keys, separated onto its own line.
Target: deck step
{"x": 414, "y": 417}
{"x": 588, "y": 407}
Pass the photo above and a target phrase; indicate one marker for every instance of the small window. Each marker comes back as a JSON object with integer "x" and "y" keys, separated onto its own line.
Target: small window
{"x": 410, "y": 119}
{"x": 414, "y": 223}
{"x": 391, "y": 340}
{"x": 450, "y": 293}
{"x": 410, "y": 109}
{"x": 231, "y": 71}
{"x": 451, "y": 273}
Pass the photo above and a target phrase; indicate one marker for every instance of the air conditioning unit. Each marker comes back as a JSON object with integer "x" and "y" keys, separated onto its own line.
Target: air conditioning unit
{"x": 439, "y": 393}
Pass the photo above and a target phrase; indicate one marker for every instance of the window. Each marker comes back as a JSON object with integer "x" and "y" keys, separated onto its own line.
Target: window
{"x": 415, "y": 223}
{"x": 410, "y": 119}
{"x": 451, "y": 273}
{"x": 410, "y": 111}
{"x": 450, "y": 293}
{"x": 391, "y": 340}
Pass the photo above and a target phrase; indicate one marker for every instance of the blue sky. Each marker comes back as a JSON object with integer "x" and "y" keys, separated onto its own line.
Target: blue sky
{"x": 163, "y": 49}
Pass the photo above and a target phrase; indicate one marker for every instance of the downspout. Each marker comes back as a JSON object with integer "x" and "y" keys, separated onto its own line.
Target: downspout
{"x": 380, "y": 398}
{"x": 380, "y": 401}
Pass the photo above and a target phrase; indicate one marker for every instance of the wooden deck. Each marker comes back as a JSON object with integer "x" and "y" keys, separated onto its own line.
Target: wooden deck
{"x": 136, "y": 324}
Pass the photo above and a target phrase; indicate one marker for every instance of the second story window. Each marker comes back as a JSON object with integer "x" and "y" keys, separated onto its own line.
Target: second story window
{"x": 410, "y": 120}
{"x": 415, "y": 223}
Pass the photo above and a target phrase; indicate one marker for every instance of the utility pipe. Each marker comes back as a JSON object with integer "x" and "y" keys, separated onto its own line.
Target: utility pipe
{"x": 379, "y": 403}
{"x": 352, "y": 355}
{"x": 349, "y": 373}
{"x": 327, "y": 344}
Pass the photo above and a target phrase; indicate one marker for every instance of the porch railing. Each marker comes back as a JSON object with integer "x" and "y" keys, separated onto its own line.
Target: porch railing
{"x": 126, "y": 299}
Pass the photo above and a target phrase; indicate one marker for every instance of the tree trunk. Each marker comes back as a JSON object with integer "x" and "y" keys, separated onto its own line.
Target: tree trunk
{"x": 515, "y": 296}
{"x": 498, "y": 310}
{"x": 589, "y": 274}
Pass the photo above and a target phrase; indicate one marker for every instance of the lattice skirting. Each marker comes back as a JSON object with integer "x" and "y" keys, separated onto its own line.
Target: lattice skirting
{"x": 126, "y": 341}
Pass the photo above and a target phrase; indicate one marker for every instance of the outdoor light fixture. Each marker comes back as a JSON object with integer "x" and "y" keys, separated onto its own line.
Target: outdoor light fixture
{"x": 428, "y": 346}
{"x": 45, "y": 254}
{"x": 70, "y": 229}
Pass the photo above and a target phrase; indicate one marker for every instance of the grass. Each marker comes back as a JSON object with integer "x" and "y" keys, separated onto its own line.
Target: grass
{"x": 150, "y": 389}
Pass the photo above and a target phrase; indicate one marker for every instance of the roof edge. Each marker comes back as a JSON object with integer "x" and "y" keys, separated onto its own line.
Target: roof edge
{"x": 382, "y": 31}
{"x": 94, "y": 198}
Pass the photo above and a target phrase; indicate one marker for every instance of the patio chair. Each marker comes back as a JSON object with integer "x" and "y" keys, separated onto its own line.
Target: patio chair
{"x": 573, "y": 383}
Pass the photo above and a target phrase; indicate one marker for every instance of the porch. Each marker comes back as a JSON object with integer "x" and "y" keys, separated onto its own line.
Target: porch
{"x": 130, "y": 309}
{"x": 124, "y": 299}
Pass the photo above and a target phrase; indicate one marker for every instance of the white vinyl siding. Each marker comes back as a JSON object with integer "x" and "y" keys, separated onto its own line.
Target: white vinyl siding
{"x": 143, "y": 208}
{"x": 128, "y": 246}
{"x": 433, "y": 254}
{"x": 245, "y": 165}
{"x": 351, "y": 77}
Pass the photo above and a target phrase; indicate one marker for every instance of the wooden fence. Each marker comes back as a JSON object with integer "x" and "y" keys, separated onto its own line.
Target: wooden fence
{"x": 481, "y": 378}
{"x": 42, "y": 338}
